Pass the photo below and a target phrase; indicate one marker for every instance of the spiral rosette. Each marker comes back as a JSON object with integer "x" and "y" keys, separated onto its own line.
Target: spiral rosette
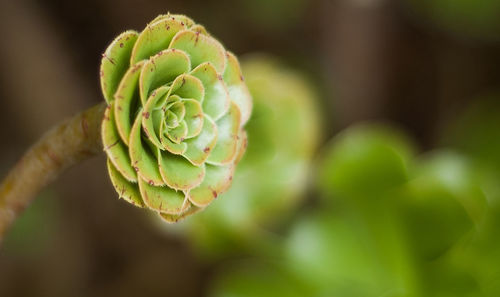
{"x": 177, "y": 104}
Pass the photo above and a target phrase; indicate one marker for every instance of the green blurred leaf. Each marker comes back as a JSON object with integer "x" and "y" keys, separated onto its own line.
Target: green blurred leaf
{"x": 364, "y": 161}
{"x": 443, "y": 203}
{"x": 257, "y": 279}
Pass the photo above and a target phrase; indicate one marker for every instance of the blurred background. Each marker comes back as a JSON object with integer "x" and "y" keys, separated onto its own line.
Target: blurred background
{"x": 373, "y": 167}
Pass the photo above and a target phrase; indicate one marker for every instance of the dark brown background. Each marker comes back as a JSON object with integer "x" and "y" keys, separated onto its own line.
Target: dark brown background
{"x": 370, "y": 59}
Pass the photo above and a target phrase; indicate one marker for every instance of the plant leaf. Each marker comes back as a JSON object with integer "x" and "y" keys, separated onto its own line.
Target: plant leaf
{"x": 143, "y": 161}
{"x": 217, "y": 180}
{"x": 115, "y": 62}
{"x": 162, "y": 69}
{"x": 199, "y": 148}
{"x": 115, "y": 149}
{"x": 200, "y": 48}
{"x": 175, "y": 218}
{"x": 125, "y": 97}
{"x": 228, "y": 127}
{"x": 147, "y": 115}
{"x": 188, "y": 86}
{"x": 216, "y": 100}
{"x": 193, "y": 117}
{"x": 237, "y": 88}
{"x": 162, "y": 199}
{"x": 179, "y": 133}
{"x": 179, "y": 173}
{"x": 172, "y": 147}
{"x": 242, "y": 146}
{"x": 155, "y": 37}
{"x": 126, "y": 189}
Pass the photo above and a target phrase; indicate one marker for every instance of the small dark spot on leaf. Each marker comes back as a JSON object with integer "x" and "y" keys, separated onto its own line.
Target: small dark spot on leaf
{"x": 206, "y": 149}
{"x": 214, "y": 193}
{"x": 112, "y": 145}
{"x": 136, "y": 67}
{"x": 108, "y": 58}
{"x": 150, "y": 182}
{"x": 121, "y": 44}
{"x": 145, "y": 114}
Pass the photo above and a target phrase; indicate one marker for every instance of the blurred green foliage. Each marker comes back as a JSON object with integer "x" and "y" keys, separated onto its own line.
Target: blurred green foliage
{"x": 442, "y": 203}
{"x": 336, "y": 256}
{"x": 263, "y": 279}
{"x": 366, "y": 159}
{"x": 476, "y": 133}
{"x": 391, "y": 224}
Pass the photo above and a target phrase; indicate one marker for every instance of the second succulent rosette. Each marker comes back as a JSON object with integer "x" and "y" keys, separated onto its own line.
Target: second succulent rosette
{"x": 177, "y": 104}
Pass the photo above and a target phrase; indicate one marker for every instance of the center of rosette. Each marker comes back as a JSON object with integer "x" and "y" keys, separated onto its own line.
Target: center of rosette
{"x": 174, "y": 125}
{"x": 174, "y": 113}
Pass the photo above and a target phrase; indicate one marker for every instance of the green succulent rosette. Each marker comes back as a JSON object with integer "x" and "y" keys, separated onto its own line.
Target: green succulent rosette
{"x": 177, "y": 104}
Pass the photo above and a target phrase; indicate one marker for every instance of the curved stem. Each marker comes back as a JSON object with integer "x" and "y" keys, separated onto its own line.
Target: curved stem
{"x": 67, "y": 144}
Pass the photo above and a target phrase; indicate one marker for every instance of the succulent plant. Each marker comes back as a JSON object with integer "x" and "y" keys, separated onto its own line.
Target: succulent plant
{"x": 177, "y": 104}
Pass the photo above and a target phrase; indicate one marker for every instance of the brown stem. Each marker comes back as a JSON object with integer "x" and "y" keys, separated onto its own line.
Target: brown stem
{"x": 67, "y": 144}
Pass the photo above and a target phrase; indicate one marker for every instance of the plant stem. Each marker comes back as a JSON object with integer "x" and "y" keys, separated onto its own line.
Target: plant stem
{"x": 65, "y": 145}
